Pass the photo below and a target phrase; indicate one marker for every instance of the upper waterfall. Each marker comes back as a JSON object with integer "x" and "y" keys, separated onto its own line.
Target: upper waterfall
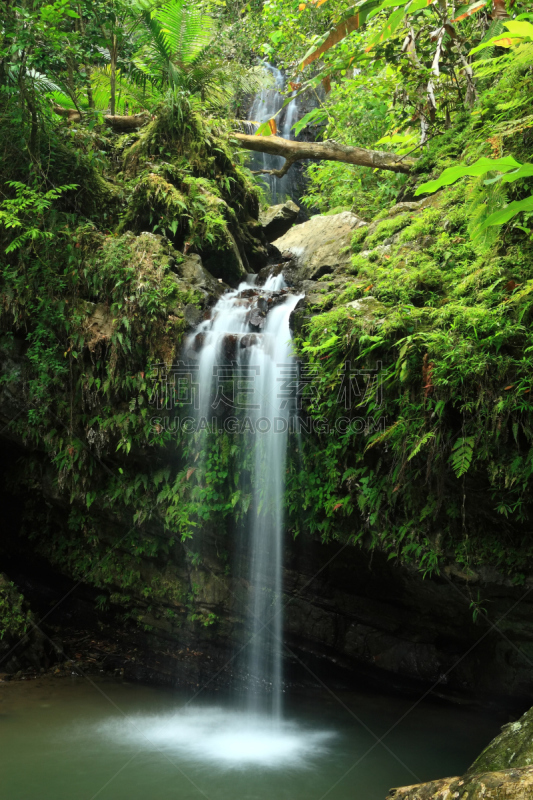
{"x": 265, "y": 105}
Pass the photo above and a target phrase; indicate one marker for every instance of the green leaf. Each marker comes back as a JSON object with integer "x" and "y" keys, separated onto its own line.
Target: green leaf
{"x": 519, "y": 31}
{"x": 525, "y": 171}
{"x": 480, "y": 167}
{"x": 508, "y": 212}
{"x": 317, "y": 115}
{"x": 461, "y": 456}
{"x": 420, "y": 444}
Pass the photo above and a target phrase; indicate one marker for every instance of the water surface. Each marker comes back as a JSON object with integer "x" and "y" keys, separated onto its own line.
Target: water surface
{"x": 66, "y": 739}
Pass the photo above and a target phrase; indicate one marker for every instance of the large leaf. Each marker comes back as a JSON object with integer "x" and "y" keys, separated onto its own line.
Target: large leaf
{"x": 508, "y": 212}
{"x": 470, "y": 8}
{"x": 316, "y": 117}
{"x": 186, "y": 31}
{"x": 518, "y": 31}
{"x": 480, "y": 167}
{"x": 353, "y": 19}
{"x": 525, "y": 171}
{"x": 402, "y": 8}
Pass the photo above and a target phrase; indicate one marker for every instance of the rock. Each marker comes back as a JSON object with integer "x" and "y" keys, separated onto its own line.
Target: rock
{"x": 193, "y": 316}
{"x": 227, "y": 264}
{"x": 368, "y": 307}
{"x": 321, "y": 245}
{"x": 512, "y": 748}
{"x": 192, "y": 271}
{"x": 510, "y": 784}
{"x": 277, "y": 220}
{"x": 99, "y": 324}
{"x": 503, "y": 771}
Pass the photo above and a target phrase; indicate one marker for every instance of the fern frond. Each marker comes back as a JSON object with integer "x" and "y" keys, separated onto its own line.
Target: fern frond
{"x": 494, "y": 29}
{"x": 131, "y": 96}
{"x": 462, "y": 453}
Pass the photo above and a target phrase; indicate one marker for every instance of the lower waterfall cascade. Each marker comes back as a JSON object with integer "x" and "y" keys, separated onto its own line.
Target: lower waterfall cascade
{"x": 249, "y": 330}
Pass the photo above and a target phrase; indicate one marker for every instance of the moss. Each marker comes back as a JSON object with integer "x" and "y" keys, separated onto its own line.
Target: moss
{"x": 449, "y": 335}
{"x": 513, "y": 748}
{"x": 427, "y": 222}
{"x": 386, "y": 228}
{"x": 358, "y": 238}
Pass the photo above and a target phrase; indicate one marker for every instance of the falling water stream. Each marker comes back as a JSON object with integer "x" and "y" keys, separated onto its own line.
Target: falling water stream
{"x": 266, "y": 105}
{"x": 249, "y": 332}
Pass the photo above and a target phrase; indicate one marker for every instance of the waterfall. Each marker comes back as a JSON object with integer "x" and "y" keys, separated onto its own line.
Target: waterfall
{"x": 265, "y": 105}
{"x": 249, "y": 334}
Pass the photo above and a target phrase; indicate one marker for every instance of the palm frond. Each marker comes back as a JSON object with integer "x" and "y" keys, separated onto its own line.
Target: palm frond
{"x": 185, "y": 29}
{"x": 131, "y": 97}
{"x": 42, "y": 82}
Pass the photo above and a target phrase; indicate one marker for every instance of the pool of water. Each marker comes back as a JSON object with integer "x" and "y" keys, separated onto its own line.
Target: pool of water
{"x": 68, "y": 739}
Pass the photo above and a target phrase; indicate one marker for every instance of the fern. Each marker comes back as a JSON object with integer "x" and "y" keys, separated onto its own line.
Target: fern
{"x": 462, "y": 453}
{"x": 494, "y": 29}
{"x": 420, "y": 444}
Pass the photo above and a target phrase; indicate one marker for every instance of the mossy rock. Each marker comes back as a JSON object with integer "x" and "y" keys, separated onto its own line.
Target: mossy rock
{"x": 512, "y": 748}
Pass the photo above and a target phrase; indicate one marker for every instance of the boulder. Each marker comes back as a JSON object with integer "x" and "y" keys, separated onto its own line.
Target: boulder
{"x": 509, "y": 784}
{"x": 277, "y": 220}
{"x": 192, "y": 271}
{"x": 503, "y": 771}
{"x": 226, "y": 263}
{"x": 321, "y": 245}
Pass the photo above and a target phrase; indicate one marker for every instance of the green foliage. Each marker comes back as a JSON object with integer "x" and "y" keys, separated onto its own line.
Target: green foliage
{"x": 445, "y": 318}
{"x": 15, "y": 619}
{"x": 16, "y": 212}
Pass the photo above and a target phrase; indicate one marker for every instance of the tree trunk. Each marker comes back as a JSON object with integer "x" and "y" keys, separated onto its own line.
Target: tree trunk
{"x": 113, "y": 76}
{"x": 500, "y": 9}
{"x": 323, "y": 151}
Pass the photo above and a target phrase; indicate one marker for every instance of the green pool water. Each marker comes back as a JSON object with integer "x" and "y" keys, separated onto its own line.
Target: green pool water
{"x": 66, "y": 739}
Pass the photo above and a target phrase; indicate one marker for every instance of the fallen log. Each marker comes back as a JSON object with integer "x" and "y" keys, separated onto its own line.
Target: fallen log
{"x": 117, "y": 122}
{"x": 125, "y": 124}
{"x": 322, "y": 151}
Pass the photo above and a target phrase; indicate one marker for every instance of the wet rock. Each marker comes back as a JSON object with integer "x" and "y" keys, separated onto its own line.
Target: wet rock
{"x": 257, "y": 318}
{"x": 249, "y": 340}
{"x": 503, "y": 771}
{"x": 277, "y": 220}
{"x": 511, "y": 784}
{"x": 512, "y": 748}
{"x": 193, "y": 316}
{"x": 321, "y": 245}
{"x": 268, "y": 272}
{"x": 227, "y": 263}
{"x": 192, "y": 271}
{"x": 229, "y": 347}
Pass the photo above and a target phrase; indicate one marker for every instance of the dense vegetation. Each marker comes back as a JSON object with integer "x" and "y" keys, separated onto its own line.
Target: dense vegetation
{"x": 116, "y": 123}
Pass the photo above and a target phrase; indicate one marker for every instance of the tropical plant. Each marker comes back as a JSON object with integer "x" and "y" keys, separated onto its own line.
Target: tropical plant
{"x": 177, "y": 52}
